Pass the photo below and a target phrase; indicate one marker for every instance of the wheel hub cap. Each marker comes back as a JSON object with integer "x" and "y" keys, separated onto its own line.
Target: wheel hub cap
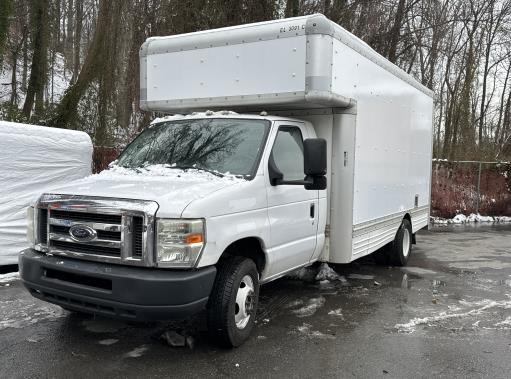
{"x": 406, "y": 242}
{"x": 244, "y": 302}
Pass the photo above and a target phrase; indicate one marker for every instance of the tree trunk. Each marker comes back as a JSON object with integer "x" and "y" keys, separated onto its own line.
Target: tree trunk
{"x": 292, "y": 8}
{"x": 77, "y": 40}
{"x": 69, "y": 33}
{"x": 5, "y": 11}
{"x": 395, "y": 32}
{"x": 39, "y": 16}
{"x": 91, "y": 68}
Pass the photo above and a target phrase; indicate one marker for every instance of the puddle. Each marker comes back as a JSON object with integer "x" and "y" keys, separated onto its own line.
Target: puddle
{"x": 361, "y": 276}
{"x": 100, "y": 325}
{"x": 418, "y": 270}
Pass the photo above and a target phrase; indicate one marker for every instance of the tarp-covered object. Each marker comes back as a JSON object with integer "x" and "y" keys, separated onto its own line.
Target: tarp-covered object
{"x": 33, "y": 159}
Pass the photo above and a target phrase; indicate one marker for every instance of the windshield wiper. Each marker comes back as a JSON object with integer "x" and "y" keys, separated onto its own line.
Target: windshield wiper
{"x": 184, "y": 167}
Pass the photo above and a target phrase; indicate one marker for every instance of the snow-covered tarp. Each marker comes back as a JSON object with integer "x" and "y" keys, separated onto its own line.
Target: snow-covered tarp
{"x": 33, "y": 159}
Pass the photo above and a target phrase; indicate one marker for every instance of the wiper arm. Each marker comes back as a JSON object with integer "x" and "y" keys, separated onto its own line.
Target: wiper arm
{"x": 216, "y": 173}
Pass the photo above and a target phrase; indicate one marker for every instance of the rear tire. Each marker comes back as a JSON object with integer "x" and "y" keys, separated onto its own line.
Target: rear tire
{"x": 401, "y": 248}
{"x": 233, "y": 301}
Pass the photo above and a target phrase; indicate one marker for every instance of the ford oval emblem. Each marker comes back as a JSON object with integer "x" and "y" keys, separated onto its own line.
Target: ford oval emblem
{"x": 82, "y": 233}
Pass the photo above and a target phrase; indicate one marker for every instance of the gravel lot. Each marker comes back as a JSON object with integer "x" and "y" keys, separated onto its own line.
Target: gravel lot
{"x": 448, "y": 314}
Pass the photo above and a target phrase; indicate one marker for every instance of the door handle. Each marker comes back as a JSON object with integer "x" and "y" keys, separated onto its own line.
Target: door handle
{"x": 312, "y": 209}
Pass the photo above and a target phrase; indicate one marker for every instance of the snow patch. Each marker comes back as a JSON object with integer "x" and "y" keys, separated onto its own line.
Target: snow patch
{"x": 328, "y": 273}
{"x": 193, "y": 115}
{"x": 20, "y": 313}
{"x": 137, "y": 352}
{"x": 310, "y": 308}
{"x": 472, "y": 218}
{"x": 506, "y": 322}
{"x": 108, "y": 342}
{"x": 482, "y": 305}
{"x": 322, "y": 274}
{"x": 306, "y": 330}
{"x": 336, "y": 312}
{"x": 164, "y": 170}
{"x": 10, "y": 277}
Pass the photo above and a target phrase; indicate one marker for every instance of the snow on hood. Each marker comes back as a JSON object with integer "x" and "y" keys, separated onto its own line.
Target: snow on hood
{"x": 173, "y": 189}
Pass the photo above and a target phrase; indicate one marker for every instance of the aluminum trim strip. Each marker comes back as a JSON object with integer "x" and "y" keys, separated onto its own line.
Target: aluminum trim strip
{"x": 93, "y": 225}
{"x": 94, "y": 242}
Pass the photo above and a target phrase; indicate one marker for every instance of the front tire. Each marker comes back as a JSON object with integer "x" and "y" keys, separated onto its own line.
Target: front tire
{"x": 233, "y": 301}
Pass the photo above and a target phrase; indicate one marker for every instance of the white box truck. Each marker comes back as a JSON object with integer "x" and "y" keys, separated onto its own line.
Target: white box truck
{"x": 202, "y": 208}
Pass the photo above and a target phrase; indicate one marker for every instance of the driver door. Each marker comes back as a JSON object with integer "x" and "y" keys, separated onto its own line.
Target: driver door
{"x": 292, "y": 210}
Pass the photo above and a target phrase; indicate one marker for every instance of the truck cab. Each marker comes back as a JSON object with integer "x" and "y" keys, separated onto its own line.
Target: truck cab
{"x": 143, "y": 240}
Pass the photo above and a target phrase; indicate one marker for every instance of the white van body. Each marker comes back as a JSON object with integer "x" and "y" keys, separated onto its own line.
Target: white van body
{"x": 34, "y": 159}
{"x": 316, "y": 80}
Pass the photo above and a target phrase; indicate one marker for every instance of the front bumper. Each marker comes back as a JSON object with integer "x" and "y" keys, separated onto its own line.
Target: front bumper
{"x": 132, "y": 293}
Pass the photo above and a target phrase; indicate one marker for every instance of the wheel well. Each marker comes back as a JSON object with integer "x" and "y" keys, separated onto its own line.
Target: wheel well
{"x": 249, "y": 247}
{"x": 409, "y": 218}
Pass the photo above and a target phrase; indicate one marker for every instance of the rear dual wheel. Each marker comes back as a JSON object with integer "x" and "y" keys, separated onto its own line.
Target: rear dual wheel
{"x": 398, "y": 251}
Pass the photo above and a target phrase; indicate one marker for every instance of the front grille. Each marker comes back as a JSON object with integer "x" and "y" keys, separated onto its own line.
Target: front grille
{"x": 43, "y": 225}
{"x": 117, "y": 228}
{"x": 138, "y": 232}
{"x": 87, "y": 249}
{"x": 102, "y": 234}
{"x": 85, "y": 216}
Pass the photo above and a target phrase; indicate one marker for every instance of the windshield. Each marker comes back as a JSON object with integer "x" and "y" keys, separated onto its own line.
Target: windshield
{"x": 226, "y": 146}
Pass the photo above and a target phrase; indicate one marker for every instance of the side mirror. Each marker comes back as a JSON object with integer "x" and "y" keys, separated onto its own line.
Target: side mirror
{"x": 314, "y": 165}
{"x": 314, "y": 157}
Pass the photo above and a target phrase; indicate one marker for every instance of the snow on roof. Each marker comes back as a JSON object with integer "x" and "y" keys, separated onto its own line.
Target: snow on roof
{"x": 29, "y": 130}
{"x": 213, "y": 114}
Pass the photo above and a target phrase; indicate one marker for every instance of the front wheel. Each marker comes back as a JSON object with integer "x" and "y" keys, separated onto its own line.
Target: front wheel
{"x": 233, "y": 302}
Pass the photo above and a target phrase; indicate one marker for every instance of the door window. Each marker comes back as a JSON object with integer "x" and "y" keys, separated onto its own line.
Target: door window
{"x": 287, "y": 152}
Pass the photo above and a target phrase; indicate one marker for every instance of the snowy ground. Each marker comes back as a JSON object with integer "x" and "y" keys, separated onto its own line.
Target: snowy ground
{"x": 472, "y": 218}
{"x": 448, "y": 312}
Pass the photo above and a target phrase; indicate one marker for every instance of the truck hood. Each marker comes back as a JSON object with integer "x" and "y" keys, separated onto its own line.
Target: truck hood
{"x": 172, "y": 189}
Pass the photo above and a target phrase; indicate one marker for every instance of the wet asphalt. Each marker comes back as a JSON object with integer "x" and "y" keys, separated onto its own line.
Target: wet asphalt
{"x": 448, "y": 314}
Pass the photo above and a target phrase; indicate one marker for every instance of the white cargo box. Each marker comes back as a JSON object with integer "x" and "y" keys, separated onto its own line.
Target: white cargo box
{"x": 34, "y": 159}
{"x": 302, "y": 62}
{"x": 377, "y": 119}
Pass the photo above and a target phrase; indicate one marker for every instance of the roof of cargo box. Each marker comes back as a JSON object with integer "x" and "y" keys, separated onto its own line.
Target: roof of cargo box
{"x": 160, "y": 56}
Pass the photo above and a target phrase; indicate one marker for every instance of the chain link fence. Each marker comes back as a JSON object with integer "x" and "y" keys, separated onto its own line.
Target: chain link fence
{"x": 470, "y": 187}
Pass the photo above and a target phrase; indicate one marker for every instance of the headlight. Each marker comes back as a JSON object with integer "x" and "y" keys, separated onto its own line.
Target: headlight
{"x": 31, "y": 226}
{"x": 180, "y": 242}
